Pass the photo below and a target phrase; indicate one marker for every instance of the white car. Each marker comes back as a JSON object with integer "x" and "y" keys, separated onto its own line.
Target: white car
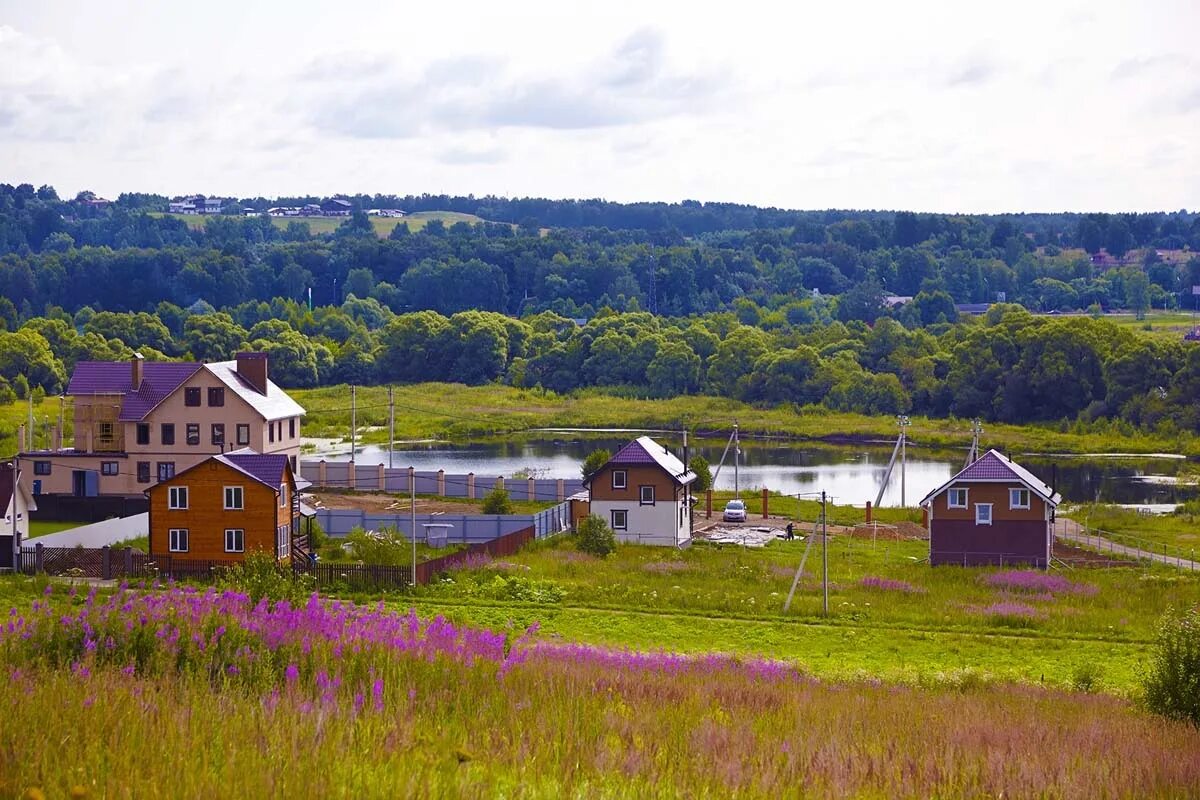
{"x": 735, "y": 511}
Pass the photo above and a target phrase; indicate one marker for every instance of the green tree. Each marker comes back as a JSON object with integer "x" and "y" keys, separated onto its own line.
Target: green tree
{"x": 595, "y": 537}
{"x": 594, "y": 461}
{"x": 1137, "y": 292}
{"x": 1172, "y": 685}
{"x": 674, "y": 370}
{"x": 213, "y": 337}
{"x": 699, "y": 465}
{"x": 414, "y": 348}
{"x": 497, "y": 502}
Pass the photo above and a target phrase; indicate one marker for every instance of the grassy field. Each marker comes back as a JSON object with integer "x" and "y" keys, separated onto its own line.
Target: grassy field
{"x": 454, "y": 411}
{"x": 41, "y": 527}
{"x": 891, "y": 615}
{"x": 317, "y": 225}
{"x": 1162, "y": 323}
{"x": 1179, "y": 531}
{"x": 175, "y": 693}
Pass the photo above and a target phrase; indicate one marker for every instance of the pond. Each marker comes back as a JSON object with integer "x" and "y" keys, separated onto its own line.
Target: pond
{"x": 850, "y": 474}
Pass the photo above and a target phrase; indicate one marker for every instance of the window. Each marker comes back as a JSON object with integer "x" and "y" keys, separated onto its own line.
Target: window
{"x": 646, "y": 495}
{"x": 105, "y": 434}
{"x": 283, "y": 495}
{"x": 191, "y": 396}
{"x": 235, "y": 540}
{"x": 270, "y": 431}
{"x": 292, "y": 459}
{"x": 216, "y": 396}
{"x": 110, "y": 468}
{"x": 243, "y": 434}
{"x": 620, "y": 520}
{"x": 143, "y": 433}
{"x": 193, "y": 433}
{"x": 177, "y": 498}
{"x": 143, "y": 471}
{"x": 983, "y": 513}
{"x": 281, "y": 540}
{"x": 41, "y": 468}
{"x": 177, "y": 540}
{"x": 218, "y": 433}
{"x": 168, "y": 433}
{"x": 166, "y": 470}
{"x": 619, "y": 480}
{"x": 1018, "y": 498}
{"x": 956, "y": 498}
{"x": 292, "y": 428}
{"x": 233, "y": 498}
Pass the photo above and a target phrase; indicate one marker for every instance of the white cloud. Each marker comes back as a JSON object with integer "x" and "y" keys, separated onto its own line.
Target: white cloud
{"x": 930, "y": 105}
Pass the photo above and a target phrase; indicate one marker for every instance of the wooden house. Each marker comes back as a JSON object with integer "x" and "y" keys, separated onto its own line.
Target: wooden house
{"x": 226, "y": 506}
{"x": 992, "y": 512}
{"x": 643, "y": 493}
{"x": 16, "y": 503}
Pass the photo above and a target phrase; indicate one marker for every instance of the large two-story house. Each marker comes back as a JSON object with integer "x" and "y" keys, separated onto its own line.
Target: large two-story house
{"x": 643, "y": 493}
{"x": 137, "y": 423}
{"x": 226, "y": 506}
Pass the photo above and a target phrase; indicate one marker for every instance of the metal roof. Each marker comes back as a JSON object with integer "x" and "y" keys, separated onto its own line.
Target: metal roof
{"x": 644, "y": 450}
{"x": 994, "y": 466}
{"x": 275, "y": 404}
{"x": 266, "y": 468}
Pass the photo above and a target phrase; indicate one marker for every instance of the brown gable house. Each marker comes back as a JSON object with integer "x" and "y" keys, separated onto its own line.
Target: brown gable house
{"x": 227, "y": 506}
{"x": 643, "y": 493}
{"x": 993, "y": 512}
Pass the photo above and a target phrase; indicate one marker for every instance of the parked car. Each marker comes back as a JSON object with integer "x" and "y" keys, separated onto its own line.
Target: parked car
{"x": 735, "y": 511}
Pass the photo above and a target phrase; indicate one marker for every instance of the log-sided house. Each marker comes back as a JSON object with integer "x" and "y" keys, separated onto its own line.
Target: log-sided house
{"x": 992, "y": 512}
{"x": 643, "y": 493}
{"x": 227, "y": 506}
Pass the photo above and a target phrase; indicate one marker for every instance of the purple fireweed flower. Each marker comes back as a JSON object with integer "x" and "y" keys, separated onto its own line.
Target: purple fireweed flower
{"x": 358, "y": 702}
{"x": 889, "y": 585}
{"x": 49, "y": 590}
{"x": 1036, "y": 582}
{"x": 292, "y": 673}
{"x": 377, "y": 694}
{"x": 128, "y": 670}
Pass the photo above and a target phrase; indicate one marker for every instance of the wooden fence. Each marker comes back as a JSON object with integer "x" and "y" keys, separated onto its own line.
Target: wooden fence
{"x": 106, "y": 563}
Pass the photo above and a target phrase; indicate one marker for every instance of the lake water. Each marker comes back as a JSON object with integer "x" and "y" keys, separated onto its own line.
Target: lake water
{"x": 848, "y": 473}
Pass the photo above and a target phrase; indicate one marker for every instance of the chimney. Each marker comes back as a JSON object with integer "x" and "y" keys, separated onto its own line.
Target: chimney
{"x": 252, "y": 367}
{"x": 135, "y": 371}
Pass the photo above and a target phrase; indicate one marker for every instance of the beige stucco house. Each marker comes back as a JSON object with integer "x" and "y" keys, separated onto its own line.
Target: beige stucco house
{"x": 138, "y": 422}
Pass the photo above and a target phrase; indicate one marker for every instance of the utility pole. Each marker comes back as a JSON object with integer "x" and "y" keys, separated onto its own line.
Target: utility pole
{"x": 62, "y": 434}
{"x": 737, "y": 454}
{"x": 412, "y": 493}
{"x": 824, "y": 557}
{"x": 32, "y": 430}
{"x": 353, "y": 421}
{"x": 904, "y": 423}
{"x": 391, "y": 422}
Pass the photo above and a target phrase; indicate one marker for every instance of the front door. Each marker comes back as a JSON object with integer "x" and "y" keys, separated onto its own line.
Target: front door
{"x": 79, "y": 483}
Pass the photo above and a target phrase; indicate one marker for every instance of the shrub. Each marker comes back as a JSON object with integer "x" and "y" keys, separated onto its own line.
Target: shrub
{"x": 596, "y": 537}
{"x": 1173, "y": 683}
{"x": 1086, "y": 677}
{"x": 497, "y": 502}
{"x": 387, "y": 546}
{"x": 595, "y": 460}
{"x": 699, "y": 465}
{"x": 260, "y": 575}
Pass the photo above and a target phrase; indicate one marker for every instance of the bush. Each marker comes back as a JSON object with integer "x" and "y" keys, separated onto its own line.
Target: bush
{"x": 260, "y": 575}
{"x": 1173, "y": 683}
{"x": 699, "y": 465}
{"x": 387, "y": 546}
{"x": 595, "y": 537}
{"x": 497, "y": 502}
{"x": 595, "y": 460}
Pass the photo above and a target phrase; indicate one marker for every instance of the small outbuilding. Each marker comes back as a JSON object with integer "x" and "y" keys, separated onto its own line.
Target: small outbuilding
{"x": 993, "y": 512}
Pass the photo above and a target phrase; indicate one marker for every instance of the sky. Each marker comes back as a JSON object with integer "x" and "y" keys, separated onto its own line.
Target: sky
{"x": 926, "y": 106}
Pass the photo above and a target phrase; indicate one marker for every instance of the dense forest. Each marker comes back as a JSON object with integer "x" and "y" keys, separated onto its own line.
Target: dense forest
{"x": 763, "y": 305}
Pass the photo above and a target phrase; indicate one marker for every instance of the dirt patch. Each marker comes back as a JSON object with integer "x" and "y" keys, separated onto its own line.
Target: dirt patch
{"x": 382, "y": 502}
{"x": 1079, "y": 557}
{"x": 895, "y": 531}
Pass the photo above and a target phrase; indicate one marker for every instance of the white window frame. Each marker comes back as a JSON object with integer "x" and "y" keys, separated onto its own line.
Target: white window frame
{"x": 950, "y": 497}
{"x": 239, "y": 540}
{"x": 282, "y": 540}
{"x": 979, "y": 507}
{"x": 174, "y": 539}
{"x": 241, "y": 499}
{"x": 1014, "y": 493}
{"x": 642, "y": 496}
{"x": 283, "y": 495}
{"x": 173, "y": 498}
{"x": 624, "y": 484}
{"x": 625, "y": 516}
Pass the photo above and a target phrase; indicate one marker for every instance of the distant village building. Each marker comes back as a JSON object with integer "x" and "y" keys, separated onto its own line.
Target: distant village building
{"x": 993, "y": 512}
{"x": 336, "y": 207}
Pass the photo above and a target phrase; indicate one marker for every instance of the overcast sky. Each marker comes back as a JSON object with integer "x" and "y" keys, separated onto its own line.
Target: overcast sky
{"x": 934, "y": 106}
